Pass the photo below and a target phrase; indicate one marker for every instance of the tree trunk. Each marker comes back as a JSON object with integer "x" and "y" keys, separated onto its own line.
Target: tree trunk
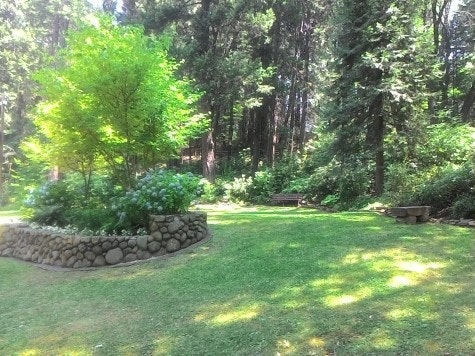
{"x": 378, "y": 126}
{"x": 379, "y": 157}
{"x": 468, "y": 103}
{"x": 229, "y": 151}
{"x": 208, "y": 157}
{"x": 272, "y": 134}
{"x": 256, "y": 139}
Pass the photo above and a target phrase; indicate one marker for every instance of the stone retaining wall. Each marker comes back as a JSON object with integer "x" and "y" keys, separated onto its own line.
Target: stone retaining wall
{"x": 169, "y": 233}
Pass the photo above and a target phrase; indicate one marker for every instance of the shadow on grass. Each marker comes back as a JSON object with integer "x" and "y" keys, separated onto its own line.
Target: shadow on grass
{"x": 285, "y": 280}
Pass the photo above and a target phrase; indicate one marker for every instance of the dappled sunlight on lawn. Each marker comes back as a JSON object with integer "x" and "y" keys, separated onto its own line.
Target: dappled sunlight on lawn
{"x": 228, "y": 313}
{"x": 64, "y": 351}
{"x": 381, "y": 339}
{"x": 352, "y": 297}
{"x": 469, "y": 315}
{"x": 70, "y": 351}
{"x": 272, "y": 281}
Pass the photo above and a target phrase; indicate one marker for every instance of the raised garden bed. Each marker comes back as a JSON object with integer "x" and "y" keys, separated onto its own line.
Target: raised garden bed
{"x": 168, "y": 234}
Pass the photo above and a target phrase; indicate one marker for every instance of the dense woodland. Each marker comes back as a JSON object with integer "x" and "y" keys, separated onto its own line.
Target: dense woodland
{"x": 341, "y": 100}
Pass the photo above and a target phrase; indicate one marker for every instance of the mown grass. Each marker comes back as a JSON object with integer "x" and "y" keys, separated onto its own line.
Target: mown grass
{"x": 272, "y": 280}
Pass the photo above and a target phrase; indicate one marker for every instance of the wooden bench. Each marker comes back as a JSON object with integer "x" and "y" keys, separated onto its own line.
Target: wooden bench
{"x": 411, "y": 214}
{"x": 283, "y": 198}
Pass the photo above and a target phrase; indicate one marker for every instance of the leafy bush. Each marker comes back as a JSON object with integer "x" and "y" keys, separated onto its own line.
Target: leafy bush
{"x": 92, "y": 221}
{"x": 158, "y": 192}
{"x": 262, "y": 187}
{"x": 323, "y": 182}
{"x": 330, "y": 200}
{"x": 464, "y": 207}
{"x": 48, "y": 204}
{"x": 446, "y": 188}
{"x": 447, "y": 143}
{"x": 353, "y": 183}
{"x": 239, "y": 189}
{"x": 286, "y": 170}
{"x": 236, "y": 166}
{"x": 402, "y": 181}
{"x": 298, "y": 185}
{"x": 319, "y": 152}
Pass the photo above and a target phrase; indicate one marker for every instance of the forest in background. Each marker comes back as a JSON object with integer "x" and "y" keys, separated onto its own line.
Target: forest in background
{"x": 341, "y": 100}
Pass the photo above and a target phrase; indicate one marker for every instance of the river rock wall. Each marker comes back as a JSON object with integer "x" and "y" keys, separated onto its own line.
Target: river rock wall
{"x": 168, "y": 234}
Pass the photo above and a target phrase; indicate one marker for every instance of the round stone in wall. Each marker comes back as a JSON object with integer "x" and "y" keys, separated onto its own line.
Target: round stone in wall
{"x": 97, "y": 249}
{"x": 154, "y": 246}
{"x": 106, "y": 246}
{"x": 99, "y": 261}
{"x": 175, "y": 226}
{"x": 157, "y": 236}
{"x": 130, "y": 257}
{"x": 142, "y": 242}
{"x": 90, "y": 255}
{"x": 114, "y": 256}
{"x": 173, "y": 245}
{"x": 143, "y": 255}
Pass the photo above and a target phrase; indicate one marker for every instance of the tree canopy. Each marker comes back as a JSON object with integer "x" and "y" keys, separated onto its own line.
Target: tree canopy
{"x": 113, "y": 99}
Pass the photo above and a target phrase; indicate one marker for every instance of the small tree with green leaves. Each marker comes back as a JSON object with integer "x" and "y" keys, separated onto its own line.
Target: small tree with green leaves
{"x": 114, "y": 101}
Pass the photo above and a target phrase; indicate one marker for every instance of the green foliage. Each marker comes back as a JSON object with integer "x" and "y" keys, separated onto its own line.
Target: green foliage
{"x": 322, "y": 182}
{"x": 158, "y": 192}
{"x": 464, "y": 207}
{"x": 240, "y": 164}
{"x": 258, "y": 189}
{"x": 263, "y": 186}
{"x": 48, "y": 204}
{"x": 445, "y": 189}
{"x": 447, "y": 143}
{"x": 106, "y": 209}
{"x": 92, "y": 220}
{"x": 66, "y": 203}
{"x": 212, "y": 192}
{"x": 239, "y": 189}
{"x": 297, "y": 185}
{"x": 285, "y": 170}
{"x": 330, "y": 200}
{"x": 402, "y": 182}
{"x": 115, "y": 102}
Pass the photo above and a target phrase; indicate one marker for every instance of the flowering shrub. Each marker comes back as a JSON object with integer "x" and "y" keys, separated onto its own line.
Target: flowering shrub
{"x": 48, "y": 203}
{"x": 158, "y": 192}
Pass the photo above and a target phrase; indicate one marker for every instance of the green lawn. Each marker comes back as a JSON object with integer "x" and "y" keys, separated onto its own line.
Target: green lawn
{"x": 272, "y": 281}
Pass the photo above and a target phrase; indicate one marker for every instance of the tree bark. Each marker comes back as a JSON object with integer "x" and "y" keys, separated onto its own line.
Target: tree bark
{"x": 468, "y": 103}
{"x": 374, "y": 142}
{"x": 208, "y": 157}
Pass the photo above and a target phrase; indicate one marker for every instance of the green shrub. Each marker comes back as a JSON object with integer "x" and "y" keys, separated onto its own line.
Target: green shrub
{"x": 49, "y": 203}
{"x": 442, "y": 191}
{"x": 212, "y": 192}
{"x": 158, "y": 192}
{"x": 402, "y": 181}
{"x": 447, "y": 143}
{"x": 262, "y": 187}
{"x": 239, "y": 189}
{"x": 464, "y": 207}
{"x": 353, "y": 183}
{"x": 330, "y": 200}
{"x": 285, "y": 170}
{"x": 237, "y": 165}
{"x": 95, "y": 221}
{"x": 323, "y": 182}
{"x": 298, "y": 185}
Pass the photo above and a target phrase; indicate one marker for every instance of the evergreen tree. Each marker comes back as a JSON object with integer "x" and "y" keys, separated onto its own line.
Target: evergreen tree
{"x": 380, "y": 69}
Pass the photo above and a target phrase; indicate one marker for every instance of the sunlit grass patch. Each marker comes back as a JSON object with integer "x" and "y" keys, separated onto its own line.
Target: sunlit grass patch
{"x": 271, "y": 281}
